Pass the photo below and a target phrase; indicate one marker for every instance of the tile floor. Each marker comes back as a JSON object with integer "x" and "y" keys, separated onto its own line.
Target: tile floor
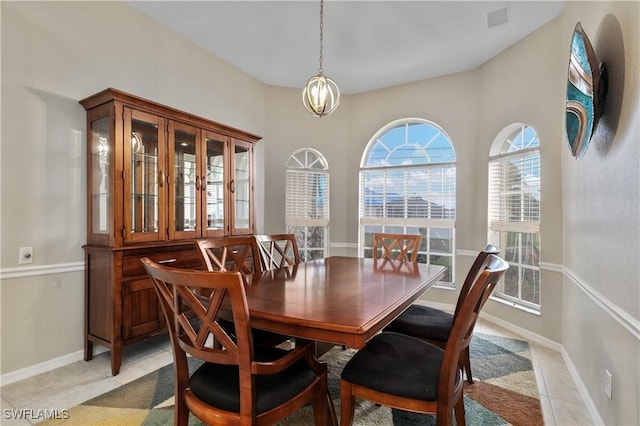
{"x": 70, "y": 385}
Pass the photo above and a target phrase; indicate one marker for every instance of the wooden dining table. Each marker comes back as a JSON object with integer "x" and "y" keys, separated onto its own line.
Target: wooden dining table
{"x": 337, "y": 300}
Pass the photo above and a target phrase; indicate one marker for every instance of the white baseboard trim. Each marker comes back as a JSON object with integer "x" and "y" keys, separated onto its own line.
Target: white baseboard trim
{"x": 523, "y": 332}
{"x": 463, "y": 252}
{"x": 344, "y": 245}
{"x": 550, "y": 344}
{"x": 584, "y": 393}
{"x": 43, "y": 367}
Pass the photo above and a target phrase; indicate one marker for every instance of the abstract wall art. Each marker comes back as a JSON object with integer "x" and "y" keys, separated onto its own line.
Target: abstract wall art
{"x": 586, "y": 91}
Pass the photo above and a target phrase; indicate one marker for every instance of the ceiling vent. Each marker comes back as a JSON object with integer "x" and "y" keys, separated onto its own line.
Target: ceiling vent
{"x": 498, "y": 17}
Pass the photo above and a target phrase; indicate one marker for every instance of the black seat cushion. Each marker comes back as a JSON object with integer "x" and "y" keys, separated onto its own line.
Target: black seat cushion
{"x": 397, "y": 364}
{"x": 423, "y": 322}
{"x": 219, "y": 386}
{"x": 259, "y": 337}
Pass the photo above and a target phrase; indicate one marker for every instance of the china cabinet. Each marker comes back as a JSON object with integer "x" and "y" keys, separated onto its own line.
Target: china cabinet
{"x": 157, "y": 179}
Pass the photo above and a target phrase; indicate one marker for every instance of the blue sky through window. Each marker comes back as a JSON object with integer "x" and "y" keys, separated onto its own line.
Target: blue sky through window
{"x": 394, "y": 180}
{"x": 410, "y": 144}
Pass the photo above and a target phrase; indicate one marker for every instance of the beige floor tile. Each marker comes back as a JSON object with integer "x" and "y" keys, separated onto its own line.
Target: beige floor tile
{"x": 570, "y": 413}
{"x": 56, "y": 382}
{"x": 547, "y": 411}
{"x": 10, "y": 417}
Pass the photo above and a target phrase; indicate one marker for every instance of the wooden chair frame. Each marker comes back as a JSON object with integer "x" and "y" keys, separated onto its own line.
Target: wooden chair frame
{"x": 407, "y": 246}
{"x": 475, "y": 269}
{"x": 233, "y": 254}
{"x": 237, "y": 254}
{"x": 273, "y": 254}
{"x": 192, "y": 320}
{"x": 450, "y": 383}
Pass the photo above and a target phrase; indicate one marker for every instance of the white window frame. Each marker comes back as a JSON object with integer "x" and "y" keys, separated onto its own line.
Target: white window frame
{"x": 506, "y": 150}
{"x": 307, "y": 201}
{"x": 426, "y": 162}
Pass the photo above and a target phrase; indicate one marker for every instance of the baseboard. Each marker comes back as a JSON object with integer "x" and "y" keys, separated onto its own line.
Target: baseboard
{"x": 523, "y": 332}
{"x": 550, "y": 344}
{"x": 43, "y": 367}
{"x": 584, "y": 393}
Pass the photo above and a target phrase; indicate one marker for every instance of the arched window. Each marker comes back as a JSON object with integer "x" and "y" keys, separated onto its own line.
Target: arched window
{"x": 408, "y": 185}
{"x": 514, "y": 212}
{"x": 307, "y": 202}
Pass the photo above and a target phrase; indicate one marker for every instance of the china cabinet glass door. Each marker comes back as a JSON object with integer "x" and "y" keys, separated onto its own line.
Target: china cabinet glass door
{"x": 145, "y": 177}
{"x": 100, "y": 176}
{"x": 215, "y": 202}
{"x": 184, "y": 193}
{"x": 241, "y": 188}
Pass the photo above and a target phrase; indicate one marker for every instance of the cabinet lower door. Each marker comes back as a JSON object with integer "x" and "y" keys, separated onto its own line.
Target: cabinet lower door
{"x": 141, "y": 311}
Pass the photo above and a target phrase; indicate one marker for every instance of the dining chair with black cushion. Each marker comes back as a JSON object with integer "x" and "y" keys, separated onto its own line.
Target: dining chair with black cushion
{"x": 403, "y": 247}
{"x": 237, "y": 254}
{"x": 238, "y": 383}
{"x": 434, "y": 325}
{"x": 410, "y": 374}
{"x": 278, "y": 250}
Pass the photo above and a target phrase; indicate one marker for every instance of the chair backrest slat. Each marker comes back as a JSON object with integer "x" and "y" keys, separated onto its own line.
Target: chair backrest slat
{"x": 401, "y": 247}
{"x": 278, "y": 250}
{"x": 192, "y": 302}
{"x": 476, "y": 268}
{"x": 480, "y": 289}
{"x": 235, "y": 254}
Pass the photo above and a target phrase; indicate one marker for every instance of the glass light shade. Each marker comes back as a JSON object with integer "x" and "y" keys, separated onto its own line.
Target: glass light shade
{"x": 321, "y": 95}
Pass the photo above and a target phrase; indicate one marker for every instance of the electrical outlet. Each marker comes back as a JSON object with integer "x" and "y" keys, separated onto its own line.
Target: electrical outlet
{"x": 26, "y": 255}
{"x": 608, "y": 379}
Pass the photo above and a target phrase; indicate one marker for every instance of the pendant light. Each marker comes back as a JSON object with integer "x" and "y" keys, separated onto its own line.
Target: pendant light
{"x": 321, "y": 95}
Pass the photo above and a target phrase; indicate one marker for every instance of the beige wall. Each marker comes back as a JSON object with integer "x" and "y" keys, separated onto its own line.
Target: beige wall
{"x": 56, "y": 53}
{"x": 53, "y": 54}
{"x": 472, "y": 107}
{"x": 289, "y": 128}
{"x": 601, "y": 215}
{"x": 525, "y": 83}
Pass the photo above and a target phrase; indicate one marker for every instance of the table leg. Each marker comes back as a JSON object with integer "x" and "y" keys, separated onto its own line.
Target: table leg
{"x": 332, "y": 418}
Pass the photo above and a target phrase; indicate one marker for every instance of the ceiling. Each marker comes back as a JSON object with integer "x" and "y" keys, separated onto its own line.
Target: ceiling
{"x": 367, "y": 44}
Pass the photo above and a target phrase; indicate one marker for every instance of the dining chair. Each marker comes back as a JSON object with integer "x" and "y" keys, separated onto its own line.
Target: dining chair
{"x": 237, "y": 254}
{"x": 434, "y": 325}
{"x": 278, "y": 250}
{"x": 238, "y": 383}
{"x": 408, "y": 373}
{"x": 402, "y": 247}
{"x": 232, "y": 254}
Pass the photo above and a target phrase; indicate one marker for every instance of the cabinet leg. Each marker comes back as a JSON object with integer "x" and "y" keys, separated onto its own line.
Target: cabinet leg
{"x": 88, "y": 350}
{"x": 116, "y": 359}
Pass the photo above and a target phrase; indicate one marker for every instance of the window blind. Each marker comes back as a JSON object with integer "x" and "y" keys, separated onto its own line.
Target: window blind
{"x": 307, "y": 198}
{"x": 424, "y": 192}
{"x": 514, "y": 192}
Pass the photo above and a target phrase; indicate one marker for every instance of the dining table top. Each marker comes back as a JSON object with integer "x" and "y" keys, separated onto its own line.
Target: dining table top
{"x": 339, "y": 300}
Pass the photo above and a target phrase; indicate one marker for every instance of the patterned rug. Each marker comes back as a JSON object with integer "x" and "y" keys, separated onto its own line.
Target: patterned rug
{"x": 504, "y": 392}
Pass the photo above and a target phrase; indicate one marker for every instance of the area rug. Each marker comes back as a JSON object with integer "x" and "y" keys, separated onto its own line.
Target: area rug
{"x": 504, "y": 392}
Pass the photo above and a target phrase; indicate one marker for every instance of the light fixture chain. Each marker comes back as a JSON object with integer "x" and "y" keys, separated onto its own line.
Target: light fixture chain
{"x": 321, "y": 95}
{"x": 320, "y": 70}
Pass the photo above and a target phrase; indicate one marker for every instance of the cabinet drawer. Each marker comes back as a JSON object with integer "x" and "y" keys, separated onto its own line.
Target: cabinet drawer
{"x": 185, "y": 259}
